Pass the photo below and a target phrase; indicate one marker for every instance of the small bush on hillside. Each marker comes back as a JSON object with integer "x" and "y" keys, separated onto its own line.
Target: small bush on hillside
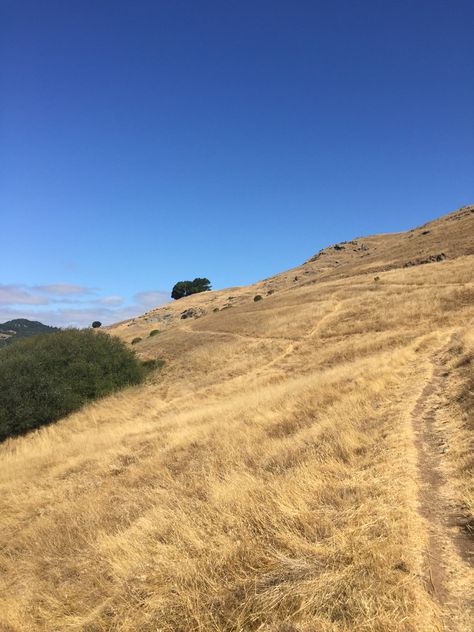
{"x": 216, "y": 309}
{"x": 135, "y": 340}
{"x": 154, "y": 332}
{"x": 45, "y": 377}
{"x": 257, "y": 298}
{"x": 151, "y": 365}
{"x": 96, "y": 324}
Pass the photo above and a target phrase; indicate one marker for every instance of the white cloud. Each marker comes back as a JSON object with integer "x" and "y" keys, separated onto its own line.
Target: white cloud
{"x": 64, "y": 288}
{"x": 152, "y": 298}
{"x": 110, "y": 300}
{"x": 20, "y": 295}
{"x": 72, "y": 317}
{"x": 70, "y": 312}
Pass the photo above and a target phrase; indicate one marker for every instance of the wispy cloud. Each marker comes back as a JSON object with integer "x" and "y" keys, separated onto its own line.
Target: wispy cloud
{"x": 70, "y": 316}
{"x": 20, "y": 295}
{"x": 64, "y": 289}
{"x": 150, "y": 298}
{"x": 69, "y": 305}
{"x": 109, "y": 300}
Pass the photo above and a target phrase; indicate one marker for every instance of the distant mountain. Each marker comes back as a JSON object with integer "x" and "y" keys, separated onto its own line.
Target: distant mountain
{"x": 21, "y": 328}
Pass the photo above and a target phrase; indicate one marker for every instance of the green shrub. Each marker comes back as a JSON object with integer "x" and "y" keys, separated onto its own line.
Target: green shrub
{"x": 96, "y": 324}
{"x": 135, "y": 340}
{"x": 45, "y": 377}
{"x": 257, "y": 298}
{"x": 154, "y": 332}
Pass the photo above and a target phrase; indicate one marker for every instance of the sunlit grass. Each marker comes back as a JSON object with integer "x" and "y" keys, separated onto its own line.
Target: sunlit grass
{"x": 264, "y": 480}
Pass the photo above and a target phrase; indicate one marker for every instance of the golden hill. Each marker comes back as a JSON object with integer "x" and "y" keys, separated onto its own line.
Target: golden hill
{"x": 302, "y": 463}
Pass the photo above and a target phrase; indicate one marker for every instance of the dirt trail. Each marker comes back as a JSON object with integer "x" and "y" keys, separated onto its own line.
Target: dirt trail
{"x": 234, "y": 334}
{"x": 449, "y": 556}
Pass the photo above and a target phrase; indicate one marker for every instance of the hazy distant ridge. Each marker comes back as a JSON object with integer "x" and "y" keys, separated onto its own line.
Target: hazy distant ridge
{"x": 21, "y": 328}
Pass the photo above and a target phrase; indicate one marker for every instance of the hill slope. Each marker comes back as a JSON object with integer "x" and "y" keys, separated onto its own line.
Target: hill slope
{"x": 21, "y": 328}
{"x": 302, "y": 463}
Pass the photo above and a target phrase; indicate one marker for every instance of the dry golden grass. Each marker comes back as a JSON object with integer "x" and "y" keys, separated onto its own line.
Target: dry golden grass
{"x": 457, "y": 427}
{"x": 268, "y": 479}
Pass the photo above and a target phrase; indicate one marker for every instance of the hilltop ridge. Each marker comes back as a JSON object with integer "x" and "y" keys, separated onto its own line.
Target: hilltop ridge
{"x": 22, "y": 327}
{"x": 447, "y": 237}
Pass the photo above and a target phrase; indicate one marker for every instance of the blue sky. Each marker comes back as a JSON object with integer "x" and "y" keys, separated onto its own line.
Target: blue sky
{"x": 142, "y": 143}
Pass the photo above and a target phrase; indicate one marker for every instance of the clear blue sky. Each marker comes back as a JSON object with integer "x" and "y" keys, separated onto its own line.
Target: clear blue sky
{"x": 147, "y": 142}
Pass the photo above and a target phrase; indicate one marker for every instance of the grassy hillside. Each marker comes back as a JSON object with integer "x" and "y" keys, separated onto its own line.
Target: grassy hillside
{"x": 302, "y": 462}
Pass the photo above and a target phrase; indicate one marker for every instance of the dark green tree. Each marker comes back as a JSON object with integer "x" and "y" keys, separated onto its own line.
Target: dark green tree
{"x": 200, "y": 285}
{"x": 96, "y": 324}
{"x": 181, "y": 289}
{"x": 186, "y": 288}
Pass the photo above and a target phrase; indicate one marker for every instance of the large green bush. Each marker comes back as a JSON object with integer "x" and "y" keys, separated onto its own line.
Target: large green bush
{"x": 45, "y": 377}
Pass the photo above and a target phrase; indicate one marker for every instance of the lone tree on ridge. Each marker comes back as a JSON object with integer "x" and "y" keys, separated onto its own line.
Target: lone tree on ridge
{"x": 186, "y": 288}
